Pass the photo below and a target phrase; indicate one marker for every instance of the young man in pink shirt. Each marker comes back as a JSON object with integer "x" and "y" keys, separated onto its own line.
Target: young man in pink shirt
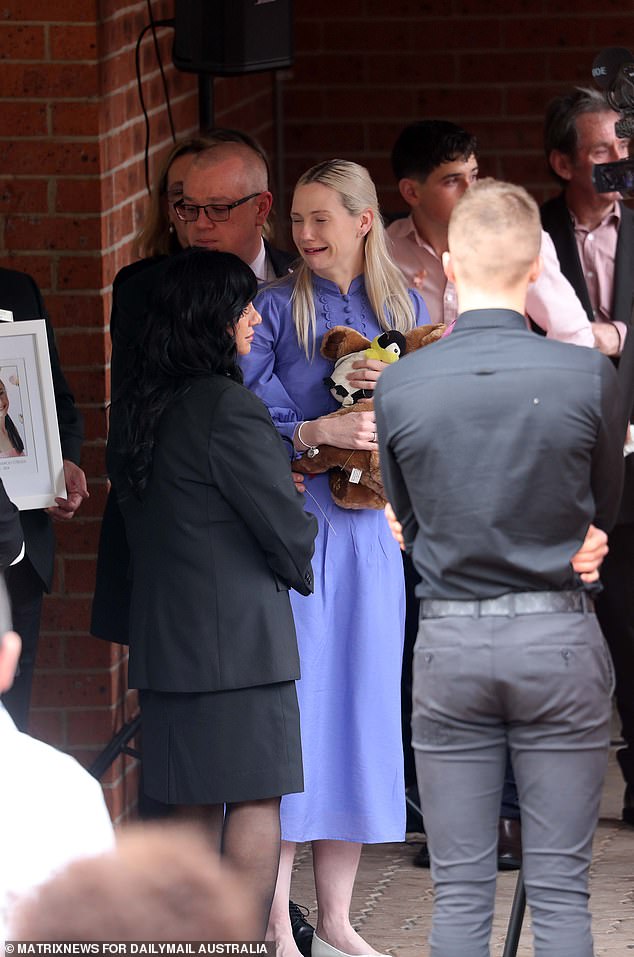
{"x": 434, "y": 162}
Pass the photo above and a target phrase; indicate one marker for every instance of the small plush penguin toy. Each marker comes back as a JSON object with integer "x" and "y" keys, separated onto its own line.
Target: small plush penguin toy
{"x": 355, "y": 476}
{"x": 387, "y": 347}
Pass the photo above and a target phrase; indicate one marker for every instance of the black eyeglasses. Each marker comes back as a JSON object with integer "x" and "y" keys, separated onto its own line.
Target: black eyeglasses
{"x": 216, "y": 212}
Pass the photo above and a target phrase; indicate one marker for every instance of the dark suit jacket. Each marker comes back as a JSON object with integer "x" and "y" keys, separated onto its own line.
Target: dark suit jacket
{"x": 218, "y": 539}
{"x": 556, "y": 221}
{"x": 20, "y": 294}
{"x": 130, "y": 289}
{"x": 281, "y": 261}
{"x": 11, "y": 537}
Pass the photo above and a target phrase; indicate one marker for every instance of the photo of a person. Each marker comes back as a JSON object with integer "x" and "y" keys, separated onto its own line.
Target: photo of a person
{"x": 11, "y": 443}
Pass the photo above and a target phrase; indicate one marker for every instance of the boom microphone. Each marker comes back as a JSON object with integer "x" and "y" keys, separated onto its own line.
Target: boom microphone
{"x": 607, "y": 64}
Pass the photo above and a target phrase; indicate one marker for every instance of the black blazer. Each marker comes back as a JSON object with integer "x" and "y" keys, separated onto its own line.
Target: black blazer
{"x": 281, "y": 261}
{"x": 556, "y": 221}
{"x": 130, "y": 289}
{"x": 11, "y": 537}
{"x": 218, "y": 539}
{"x": 20, "y": 294}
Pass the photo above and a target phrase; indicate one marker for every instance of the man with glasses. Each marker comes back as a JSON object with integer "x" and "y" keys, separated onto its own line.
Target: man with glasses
{"x": 224, "y": 207}
{"x": 226, "y": 202}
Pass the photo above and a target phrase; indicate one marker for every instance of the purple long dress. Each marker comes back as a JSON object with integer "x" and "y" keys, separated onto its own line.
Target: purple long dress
{"x": 350, "y": 631}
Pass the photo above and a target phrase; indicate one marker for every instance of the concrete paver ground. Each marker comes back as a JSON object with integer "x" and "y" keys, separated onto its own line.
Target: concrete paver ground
{"x": 393, "y": 900}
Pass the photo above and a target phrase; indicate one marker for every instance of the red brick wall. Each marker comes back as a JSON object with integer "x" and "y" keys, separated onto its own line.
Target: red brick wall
{"x": 72, "y": 195}
{"x": 365, "y": 68}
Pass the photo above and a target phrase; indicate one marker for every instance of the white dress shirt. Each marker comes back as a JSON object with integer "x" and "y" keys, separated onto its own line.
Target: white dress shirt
{"x": 52, "y": 812}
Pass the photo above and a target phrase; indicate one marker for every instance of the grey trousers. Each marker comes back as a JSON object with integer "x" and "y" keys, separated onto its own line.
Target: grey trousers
{"x": 542, "y": 685}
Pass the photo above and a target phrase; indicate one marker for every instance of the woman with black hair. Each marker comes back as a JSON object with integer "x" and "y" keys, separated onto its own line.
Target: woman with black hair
{"x": 11, "y": 444}
{"x": 218, "y": 535}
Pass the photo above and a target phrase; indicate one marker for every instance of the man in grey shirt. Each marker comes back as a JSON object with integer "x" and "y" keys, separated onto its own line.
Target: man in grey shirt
{"x": 519, "y": 448}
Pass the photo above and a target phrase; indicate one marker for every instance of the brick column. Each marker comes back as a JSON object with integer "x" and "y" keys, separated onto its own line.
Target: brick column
{"x": 72, "y": 196}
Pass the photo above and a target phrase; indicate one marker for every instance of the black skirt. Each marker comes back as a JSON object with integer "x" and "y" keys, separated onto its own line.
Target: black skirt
{"x": 222, "y": 746}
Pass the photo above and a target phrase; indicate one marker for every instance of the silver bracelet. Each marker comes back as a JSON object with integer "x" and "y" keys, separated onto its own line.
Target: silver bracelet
{"x": 311, "y": 450}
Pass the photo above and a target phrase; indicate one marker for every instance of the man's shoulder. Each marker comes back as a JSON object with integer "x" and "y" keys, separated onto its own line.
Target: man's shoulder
{"x": 554, "y": 210}
{"x": 280, "y": 259}
{"x": 627, "y": 214}
{"x": 38, "y": 754}
{"x": 140, "y": 276}
{"x": 41, "y": 764}
{"x": 134, "y": 270}
{"x": 20, "y": 294}
{"x": 15, "y": 277}
{"x": 400, "y": 227}
{"x": 412, "y": 368}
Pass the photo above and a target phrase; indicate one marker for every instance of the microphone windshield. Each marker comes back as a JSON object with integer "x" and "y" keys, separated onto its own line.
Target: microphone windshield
{"x": 607, "y": 64}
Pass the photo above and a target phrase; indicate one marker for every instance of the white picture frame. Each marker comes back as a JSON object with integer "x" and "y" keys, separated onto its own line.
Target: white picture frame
{"x": 31, "y": 465}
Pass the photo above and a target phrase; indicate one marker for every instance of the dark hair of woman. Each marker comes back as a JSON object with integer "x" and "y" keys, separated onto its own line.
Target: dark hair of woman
{"x": 13, "y": 434}
{"x": 189, "y": 333}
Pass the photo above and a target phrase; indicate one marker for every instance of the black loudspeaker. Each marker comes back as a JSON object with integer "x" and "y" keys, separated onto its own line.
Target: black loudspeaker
{"x": 226, "y": 37}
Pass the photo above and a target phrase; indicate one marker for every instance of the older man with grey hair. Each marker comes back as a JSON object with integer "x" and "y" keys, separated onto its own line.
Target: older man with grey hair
{"x": 593, "y": 234}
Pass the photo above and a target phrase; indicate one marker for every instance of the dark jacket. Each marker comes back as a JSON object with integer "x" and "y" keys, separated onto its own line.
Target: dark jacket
{"x": 20, "y": 294}
{"x": 11, "y": 537}
{"x": 216, "y": 542}
{"x": 556, "y": 221}
{"x": 130, "y": 290}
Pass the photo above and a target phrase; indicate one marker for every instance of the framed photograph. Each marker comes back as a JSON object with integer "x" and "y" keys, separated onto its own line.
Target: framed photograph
{"x": 31, "y": 465}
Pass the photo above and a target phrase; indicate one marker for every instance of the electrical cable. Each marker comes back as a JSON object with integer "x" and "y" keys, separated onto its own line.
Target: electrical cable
{"x": 137, "y": 62}
{"x": 154, "y": 24}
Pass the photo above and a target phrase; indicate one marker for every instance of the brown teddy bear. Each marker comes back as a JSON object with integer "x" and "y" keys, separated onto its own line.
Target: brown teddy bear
{"x": 355, "y": 475}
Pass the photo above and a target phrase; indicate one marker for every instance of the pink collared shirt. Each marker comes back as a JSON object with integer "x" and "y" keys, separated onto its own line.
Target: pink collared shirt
{"x": 597, "y": 252}
{"x": 551, "y": 302}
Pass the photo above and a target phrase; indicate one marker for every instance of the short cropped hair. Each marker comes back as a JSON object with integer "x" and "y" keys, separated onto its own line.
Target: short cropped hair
{"x": 560, "y": 123}
{"x": 225, "y": 134}
{"x": 255, "y": 173}
{"x": 423, "y": 146}
{"x": 162, "y": 882}
{"x": 494, "y": 234}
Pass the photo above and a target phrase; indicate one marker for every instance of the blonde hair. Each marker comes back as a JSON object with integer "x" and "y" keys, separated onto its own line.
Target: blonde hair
{"x": 384, "y": 284}
{"x": 495, "y": 233}
{"x": 155, "y": 237}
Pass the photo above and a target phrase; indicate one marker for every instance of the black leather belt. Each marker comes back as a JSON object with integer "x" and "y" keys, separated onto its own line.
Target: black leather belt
{"x": 513, "y": 603}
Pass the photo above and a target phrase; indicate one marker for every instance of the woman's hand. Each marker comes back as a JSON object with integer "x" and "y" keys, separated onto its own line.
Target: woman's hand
{"x": 354, "y": 430}
{"x": 366, "y": 374}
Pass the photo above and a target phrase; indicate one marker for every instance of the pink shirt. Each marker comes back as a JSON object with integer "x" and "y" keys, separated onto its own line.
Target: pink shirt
{"x": 551, "y": 302}
{"x": 597, "y": 252}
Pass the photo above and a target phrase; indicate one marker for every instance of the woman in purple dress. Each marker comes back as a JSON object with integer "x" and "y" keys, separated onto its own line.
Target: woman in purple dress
{"x": 350, "y": 632}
